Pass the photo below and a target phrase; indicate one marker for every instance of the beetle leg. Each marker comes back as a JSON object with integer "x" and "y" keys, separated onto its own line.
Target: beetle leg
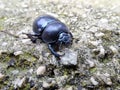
{"x": 60, "y": 45}
{"x": 52, "y": 51}
{"x": 32, "y": 37}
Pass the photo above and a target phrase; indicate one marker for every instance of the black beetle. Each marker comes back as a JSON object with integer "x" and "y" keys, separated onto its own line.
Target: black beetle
{"x": 51, "y": 31}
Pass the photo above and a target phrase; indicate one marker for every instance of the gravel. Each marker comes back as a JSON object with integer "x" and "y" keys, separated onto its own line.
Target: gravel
{"x": 91, "y": 62}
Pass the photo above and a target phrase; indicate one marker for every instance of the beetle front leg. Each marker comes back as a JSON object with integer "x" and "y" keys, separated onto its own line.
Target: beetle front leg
{"x": 32, "y": 37}
{"x": 52, "y": 51}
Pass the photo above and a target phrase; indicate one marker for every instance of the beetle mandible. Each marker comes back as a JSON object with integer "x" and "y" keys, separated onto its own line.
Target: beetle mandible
{"x": 51, "y": 31}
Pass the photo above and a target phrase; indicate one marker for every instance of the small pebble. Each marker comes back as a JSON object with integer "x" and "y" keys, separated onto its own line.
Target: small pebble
{"x": 91, "y": 63}
{"x": 100, "y": 34}
{"x": 102, "y": 51}
{"x": 18, "y": 53}
{"x": 114, "y": 50}
{"x": 1, "y": 76}
{"x": 4, "y": 44}
{"x": 26, "y": 41}
{"x": 19, "y": 82}
{"x": 94, "y": 82}
{"x": 22, "y": 82}
{"x": 107, "y": 79}
{"x": 94, "y": 43}
{"x": 46, "y": 85}
{"x": 23, "y": 36}
{"x": 50, "y": 84}
{"x": 31, "y": 71}
{"x": 70, "y": 88}
{"x": 41, "y": 70}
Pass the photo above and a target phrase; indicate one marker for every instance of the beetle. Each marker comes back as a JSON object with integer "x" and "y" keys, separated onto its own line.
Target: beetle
{"x": 52, "y": 32}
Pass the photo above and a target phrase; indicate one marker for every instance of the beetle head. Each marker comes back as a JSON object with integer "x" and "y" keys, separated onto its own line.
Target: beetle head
{"x": 65, "y": 38}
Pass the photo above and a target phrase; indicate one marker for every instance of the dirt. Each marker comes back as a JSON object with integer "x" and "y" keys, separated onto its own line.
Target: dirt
{"x": 95, "y": 63}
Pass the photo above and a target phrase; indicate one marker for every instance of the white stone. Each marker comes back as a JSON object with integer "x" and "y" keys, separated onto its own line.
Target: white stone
{"x": 94, "y": 43}
{"x": 114, "y": 50}
{"x": 41, "y": 70}
{"x": 18, "y": 53}
{"x": 23, "y": 36}
{"x": 46, "y": 85}
{"x": 31, "y": 71}
{"x": 4, "y": 43}
{"x": 100, "y": 34}
{"x": 107, "y": 79}
{"x": 102, "y": 51}
{"x": 26, "y": 41}
{"x": 1, "y": 76}
{"x": 94, "y": 82}
{"x": 91, "y": 63}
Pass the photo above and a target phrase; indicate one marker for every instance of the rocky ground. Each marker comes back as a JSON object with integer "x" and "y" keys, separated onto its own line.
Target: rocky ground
{"x": 92, "y": 62}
